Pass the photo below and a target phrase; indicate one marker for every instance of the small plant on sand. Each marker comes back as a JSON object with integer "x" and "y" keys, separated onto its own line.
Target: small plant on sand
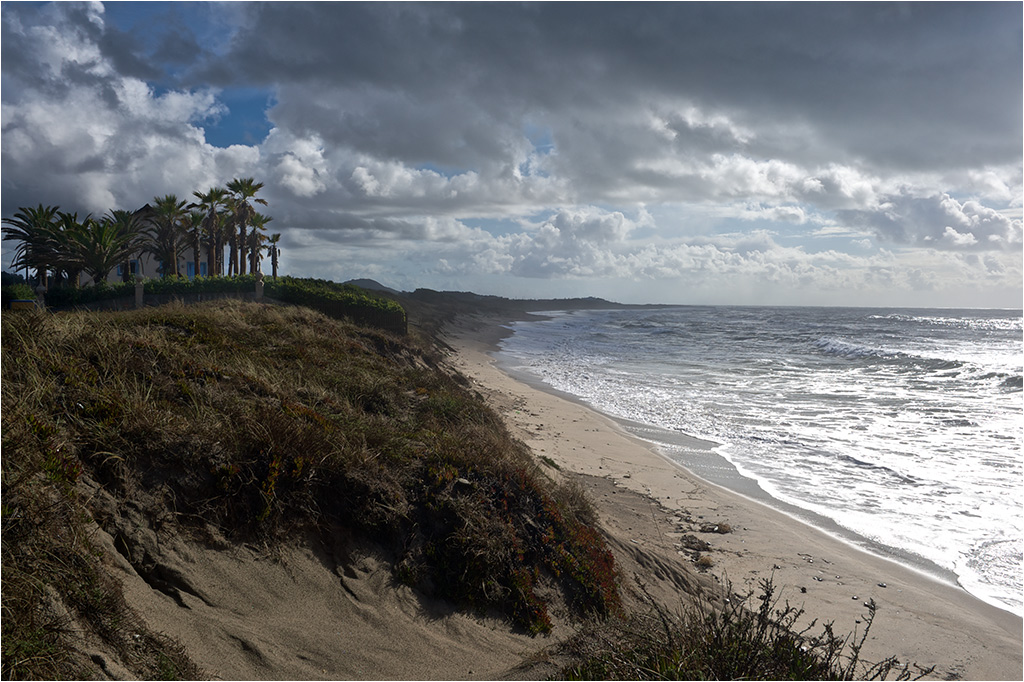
{"x": 720, "y": 528}
{"x": 705, "y": 561}
{"x": 711, "y": 639}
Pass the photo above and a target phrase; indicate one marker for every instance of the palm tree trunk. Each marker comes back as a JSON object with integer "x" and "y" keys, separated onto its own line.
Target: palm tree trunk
{"x": 242, "y": 250}
{"x": 195, "y": 250}
{"x": 211, "y": 250}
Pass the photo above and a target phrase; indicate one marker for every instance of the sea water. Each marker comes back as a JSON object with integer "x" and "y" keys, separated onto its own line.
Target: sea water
{"x": 904, "y": 427}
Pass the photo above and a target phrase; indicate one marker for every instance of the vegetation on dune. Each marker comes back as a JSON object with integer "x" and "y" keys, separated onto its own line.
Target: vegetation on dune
{"x": 264, "y": 421}
{"x": 330, "y": 298}
{"x": 340, "y": 300}
{"x": 749, "y": 638}
{"x": 14, "y": 292}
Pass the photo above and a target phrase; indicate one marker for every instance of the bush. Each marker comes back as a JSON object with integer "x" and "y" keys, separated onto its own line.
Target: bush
{"x": 340, "y": 300}
{"x": 16, "y": 292}
{"x": 329, "y": 298}
{"x": 712, "y": 640}
{"x": 68, "y": 297}
{"x": 240, "y": 284}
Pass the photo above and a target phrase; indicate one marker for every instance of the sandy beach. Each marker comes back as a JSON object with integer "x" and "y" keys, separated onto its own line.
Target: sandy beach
{"x": 919, "y": 618}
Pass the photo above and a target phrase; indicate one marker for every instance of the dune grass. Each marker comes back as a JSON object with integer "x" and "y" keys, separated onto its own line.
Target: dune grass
{"x": 710, "y": 638}
{"x": 264, "y": 422}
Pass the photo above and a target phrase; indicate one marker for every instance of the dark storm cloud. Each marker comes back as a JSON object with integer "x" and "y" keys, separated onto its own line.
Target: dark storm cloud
{"x": 912, "y": 85}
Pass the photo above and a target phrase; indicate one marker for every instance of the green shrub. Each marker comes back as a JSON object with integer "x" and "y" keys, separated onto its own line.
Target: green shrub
{"x": 201, "y": 285}
{"x": 330, "y": 298}
{"x": 16, "y": 292}
{"x": 340, "y": 300}
{"x": 68, "y": 297}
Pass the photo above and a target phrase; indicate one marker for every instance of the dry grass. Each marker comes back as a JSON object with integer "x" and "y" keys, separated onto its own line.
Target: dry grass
{"x": 262, "y": 421}
{"x": 712, "y": 638}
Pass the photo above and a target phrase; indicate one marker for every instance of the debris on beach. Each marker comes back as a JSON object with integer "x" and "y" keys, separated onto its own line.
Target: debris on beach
{"x": 692, "y": 542}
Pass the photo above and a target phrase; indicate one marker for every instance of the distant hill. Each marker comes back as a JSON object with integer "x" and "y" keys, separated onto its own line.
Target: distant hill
{"x": 483, "y": 301}
{"x": 372, "y": 285}
{"x": 429, "y": 310}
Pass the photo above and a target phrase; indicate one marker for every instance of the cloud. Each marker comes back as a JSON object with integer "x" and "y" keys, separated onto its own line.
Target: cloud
{"x": 875, "y": 83}
{"x": 645, "y": 141}
{"x": 940, "y": 221}
{"x": 955, "y": 238}
{"x": 78, "y": 133}
{"x": 579, "y": 242}
{"x": 707, "y": 269}
{"x": 297, "y": 164}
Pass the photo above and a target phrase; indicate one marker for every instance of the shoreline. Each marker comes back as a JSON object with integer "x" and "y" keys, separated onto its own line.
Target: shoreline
{"x": 921, "y": 618}
{"x": 738, "y": 483}
{"x": 701, "y": 458}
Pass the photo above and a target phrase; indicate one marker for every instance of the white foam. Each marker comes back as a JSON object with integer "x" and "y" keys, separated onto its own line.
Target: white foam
{"x": 908, "y": 439}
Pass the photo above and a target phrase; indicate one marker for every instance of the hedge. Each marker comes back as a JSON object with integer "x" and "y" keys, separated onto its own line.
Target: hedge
{"x": 330, "y": 298}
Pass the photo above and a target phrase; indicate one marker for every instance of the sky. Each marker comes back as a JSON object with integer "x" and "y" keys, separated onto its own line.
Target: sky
{"x": 690, "y": 153}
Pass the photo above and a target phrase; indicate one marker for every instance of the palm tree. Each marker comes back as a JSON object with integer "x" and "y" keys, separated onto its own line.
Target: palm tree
{"x": 256, "y": 239}
{"x": 232, "y": 238}
{"x": 128, "y": 223}
{"x": 31, "y": 227}
{"x": 275, "y": 251}
{"x": 213, "y": 204}
{"x": 242, "y": 190}
{"x": 63, "y": 244}
{"x": 166, "y": 233}
{"x": 100, "y": 245}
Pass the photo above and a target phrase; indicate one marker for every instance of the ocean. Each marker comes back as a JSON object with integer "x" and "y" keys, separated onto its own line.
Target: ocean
{"x": 903, "y": 427}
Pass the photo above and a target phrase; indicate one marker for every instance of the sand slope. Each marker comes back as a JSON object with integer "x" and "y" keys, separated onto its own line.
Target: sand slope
{"x": 244, "y": 614}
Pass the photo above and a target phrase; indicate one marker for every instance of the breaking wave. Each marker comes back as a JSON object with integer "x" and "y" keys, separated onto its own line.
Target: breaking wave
{"x": 901, "y": 426}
